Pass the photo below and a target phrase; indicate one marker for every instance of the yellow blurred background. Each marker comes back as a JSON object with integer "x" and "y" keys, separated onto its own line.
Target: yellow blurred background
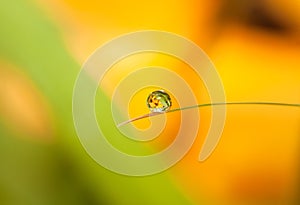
{"x": 255, "y": 46}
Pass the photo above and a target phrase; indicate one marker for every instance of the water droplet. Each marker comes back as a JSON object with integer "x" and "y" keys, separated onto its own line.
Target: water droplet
{"x": 159, "y": 101}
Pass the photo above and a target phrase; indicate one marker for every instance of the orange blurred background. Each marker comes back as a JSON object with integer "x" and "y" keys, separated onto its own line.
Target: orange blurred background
{"x": 255, "y": 46}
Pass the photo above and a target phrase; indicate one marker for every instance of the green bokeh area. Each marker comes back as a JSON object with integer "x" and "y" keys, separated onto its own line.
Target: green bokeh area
{"x": 61, "y": 173}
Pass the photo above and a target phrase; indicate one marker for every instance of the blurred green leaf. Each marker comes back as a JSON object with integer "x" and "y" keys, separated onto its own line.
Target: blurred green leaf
{"x": 62, "y": 173}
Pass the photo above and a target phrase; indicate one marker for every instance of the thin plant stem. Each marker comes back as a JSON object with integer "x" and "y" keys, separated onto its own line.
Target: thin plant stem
{"x": 208, "y": 105}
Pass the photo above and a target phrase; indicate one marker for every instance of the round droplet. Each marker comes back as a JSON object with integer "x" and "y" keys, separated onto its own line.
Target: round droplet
{"x": 159, "y": 101}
